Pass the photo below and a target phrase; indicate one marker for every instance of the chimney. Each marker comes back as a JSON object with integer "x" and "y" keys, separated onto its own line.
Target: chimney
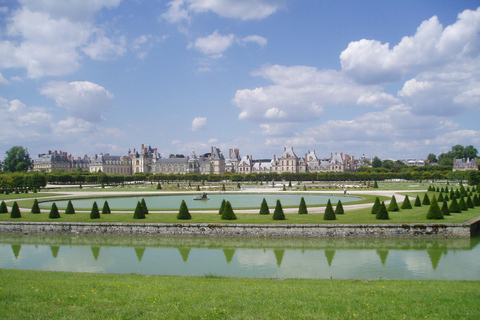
{"x": 331, "y": 156}
{"x": 341, "y": 155}
{"x": 144, "y": 150}
{"x": 284, "y": 149}
{"x": 306, "y": 156}
{"x": 49, "y": 152}
{"x": 212, "y": 150}
{"x": 230, "y": 153}
{"x": 156, "y": 153}
{"x": 143, "y": 146}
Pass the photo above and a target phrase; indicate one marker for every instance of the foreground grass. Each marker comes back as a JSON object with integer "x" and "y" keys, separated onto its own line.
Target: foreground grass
{"x": 57, "y": 295}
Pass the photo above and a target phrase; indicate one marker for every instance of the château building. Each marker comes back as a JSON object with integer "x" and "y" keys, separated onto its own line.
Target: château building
{"x": 465, "y": 165}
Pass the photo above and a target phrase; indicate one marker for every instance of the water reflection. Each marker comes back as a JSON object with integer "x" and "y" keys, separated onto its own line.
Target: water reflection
{"x": 247, "y": 257}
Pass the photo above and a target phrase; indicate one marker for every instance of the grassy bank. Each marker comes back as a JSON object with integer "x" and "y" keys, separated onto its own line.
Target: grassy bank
{"x": 57, "y": 295}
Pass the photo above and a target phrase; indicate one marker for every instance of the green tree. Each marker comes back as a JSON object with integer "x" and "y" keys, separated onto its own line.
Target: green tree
{"x": 476, "y": 200}
{"x": 54, "y": 214}
{"x": 183, "y": 213}
{"x": 462, "y": 204}
{"x": 3, "y": 207}
{"x": 339, "y": 208}
{"x": 445, "y": 210}
{"x": 222, "y": 207}
{"x": 473, "y": 177}
{"x": 94, "y": 214}
{"x": 417, "y": 203}
{"x": 15, "y": 213}
{"x": 17, "y": 159}
{"x": 302, "y": 209}
{"x": 469, "y": 203}
{"x": 375, "y": 185}
{"x": 382, "y": 212}
{"x": 264, "y": 207}
{"x": 426, "y": 200}
{"x": 139, "y": 213}
{"x": 278, "y": 213}
{"x": 440, "y": 197}
{"x": 376, "y": 163}
{"x": 144, "y": 206}
{"x": 228, "y": 213}
{"x": 35, "y": 208}
{"x": 406, "y": 203}
{"x": 432, "y": 158}
{"x": 106, "y": 208}
{"x": 70, "y": 209}
{"x": 329, "y": 213}
{"x": 393, "y": 206}
{"x": 434, "y": 211}
{"x": 454, "y": 207}
{"x": 376, "y": 206}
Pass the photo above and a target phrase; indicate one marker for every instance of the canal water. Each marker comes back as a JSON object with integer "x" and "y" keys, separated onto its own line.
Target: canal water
{"x": 238, "y": 201}
{"x": 415, "y": 259}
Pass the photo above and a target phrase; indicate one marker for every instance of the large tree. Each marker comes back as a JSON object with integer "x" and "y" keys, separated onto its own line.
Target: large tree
{"x": 17, "y": 159}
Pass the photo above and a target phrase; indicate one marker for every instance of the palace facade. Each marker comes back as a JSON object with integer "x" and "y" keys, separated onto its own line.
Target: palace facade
{"x": 147, "y": 159}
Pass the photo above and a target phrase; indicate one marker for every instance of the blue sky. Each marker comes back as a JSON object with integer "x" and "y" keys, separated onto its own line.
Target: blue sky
{"x": 394, "y": 79}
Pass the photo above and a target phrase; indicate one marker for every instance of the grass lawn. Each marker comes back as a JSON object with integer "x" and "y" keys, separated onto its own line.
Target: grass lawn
{"x": 59, "y": 295}
{"x": 357, "y": 216}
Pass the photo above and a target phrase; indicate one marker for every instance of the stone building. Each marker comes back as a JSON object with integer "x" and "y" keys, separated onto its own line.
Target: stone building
{"x": 59, "y": 161}
{"x": 111, "y": 164}
{"x": 142, "y": 159}
{"x": 465, "y": 165}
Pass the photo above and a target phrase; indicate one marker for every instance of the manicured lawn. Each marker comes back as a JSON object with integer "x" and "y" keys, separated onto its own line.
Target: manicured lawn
{"x": 58, "y": 295}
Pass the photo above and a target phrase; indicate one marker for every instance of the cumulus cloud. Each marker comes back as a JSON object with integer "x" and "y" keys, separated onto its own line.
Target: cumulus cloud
{"x": 45, "y": 36}
{"x": 104, "y": 48}
{"x": 182, "y": 10}
{"x": 82, "y": 99}
{"x": 199, "y": 123}
{"x": 215, "y": 44}
{"x": 432, "y": 46}
{"x": 3, "y": 80}
{"x": 299, "y": 93}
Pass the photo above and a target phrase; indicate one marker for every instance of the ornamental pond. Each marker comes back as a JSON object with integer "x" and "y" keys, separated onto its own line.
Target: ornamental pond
{"x": 321, "y": 258}
{"x": 238, "y": 201}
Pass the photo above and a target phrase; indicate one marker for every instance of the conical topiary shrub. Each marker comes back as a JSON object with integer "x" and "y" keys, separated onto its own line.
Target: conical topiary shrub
{"x": 406, "y": 203}
{"x": 138, "y": 213}
{"x": 339, "y": 208}
{"x": 15, "y": 213}
{"x": 70, "y": 209}
{"x": 144, "y": 206}
{"x": 329, "y": 213}
{"x": 159, "y": 186}
{"x": 375, "y": 185}
{"x": 35, "y": 207}
{"x": 469, "y": 203}
{"x": 382, "y": 212}
{"x": 440, "y": 197}
{"x": 228, "y": 213}
{"x": 94, "y": 214}
{"x": 457, "y": 194}
{"x": 417, "y": 202}
{"x": 54, "y": 214}
{"x": 434, "y": 211}
{"x": 426, "y": 200}
{"x": 222, "y": 207}
{"x": 106, "y": 208}
{"x": 278, "y": 213}
{"x": 264, "y": 207}
{"x": 376, "y": 206}
{"x": 445, "y": 210}
{"x": 3, "y": 207}
{"x": 302, "y": 209}
{"x": 476, "y": 200}
{"x": 462, "y": 204}
{"x": 454, "y": 207}
{"x": 183, "y": 213}
{"x": 393, "y": 206}
{"x": 446, "y": 198}
{"x": 452, "y": 194}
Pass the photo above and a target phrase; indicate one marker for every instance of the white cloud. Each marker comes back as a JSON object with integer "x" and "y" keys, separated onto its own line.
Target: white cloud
{"x": 104, "y": 48}
{"x": 45, "y": 36}
{"x": 199, "y": 123}
{"x": 214, "y": 45}
{"x": 298, "y": 93}
{"x": 432, "y": 47}
{"x": 181, "y": 10}
{"x": 261, "y": 41}
{"x": 3, "y": 80}
{"x": 82, "y": 99}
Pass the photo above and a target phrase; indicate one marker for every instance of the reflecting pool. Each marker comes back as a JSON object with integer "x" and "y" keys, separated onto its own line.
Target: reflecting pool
{"x": 417, "y": 259}
{"x": 238, "y": 201}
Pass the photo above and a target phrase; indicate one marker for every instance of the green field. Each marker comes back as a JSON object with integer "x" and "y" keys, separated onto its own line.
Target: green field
{"x": 58, "y": 295}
